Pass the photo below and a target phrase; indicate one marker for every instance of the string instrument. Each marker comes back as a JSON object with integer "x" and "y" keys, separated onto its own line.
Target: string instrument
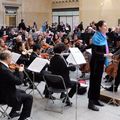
{"x": 85, "y": 67}
{"x": 13, "y": 66}
{"x": 46, "y": 46}
{"x": 111, "y": 70}
{"x": 45, "y": 55}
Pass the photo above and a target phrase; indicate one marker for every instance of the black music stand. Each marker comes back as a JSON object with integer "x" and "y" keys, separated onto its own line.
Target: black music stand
{"x": 35, "y": 67}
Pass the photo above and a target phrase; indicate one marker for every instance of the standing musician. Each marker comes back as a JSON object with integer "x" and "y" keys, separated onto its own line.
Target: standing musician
{"x": 9, "y": 94}
{"x": 100, "y": 53}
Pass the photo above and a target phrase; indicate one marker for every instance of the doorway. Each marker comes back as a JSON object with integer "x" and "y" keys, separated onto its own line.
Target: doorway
{"x": 10, "y": 20}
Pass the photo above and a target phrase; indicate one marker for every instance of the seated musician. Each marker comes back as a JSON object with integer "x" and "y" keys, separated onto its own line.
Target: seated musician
{"x": 9, "y": 94}
{"x": 2, "y": 45}
{"x": 114, "y": 87}
{"x": 58, "y": 66}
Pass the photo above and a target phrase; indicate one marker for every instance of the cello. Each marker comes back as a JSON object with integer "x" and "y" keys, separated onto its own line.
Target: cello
{"x": 111, "y": 70}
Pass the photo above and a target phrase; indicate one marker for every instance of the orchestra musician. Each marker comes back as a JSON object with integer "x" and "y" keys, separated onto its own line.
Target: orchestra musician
{"x": 100, "y": 53}
{"x": 38, "y": 76}
{"x": 117, "y": 78}
{"x": 2, "y": 45}
{"x": 9, "y": 94}
{"x": 58, "y": 66}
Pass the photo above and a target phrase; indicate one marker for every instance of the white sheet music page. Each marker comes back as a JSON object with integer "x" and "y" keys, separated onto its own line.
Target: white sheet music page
{"x": 15, "y": 57}
{"x": 38, "y": 64}
{"x": 89, "y": 51}
{"x": 76, "y": 57}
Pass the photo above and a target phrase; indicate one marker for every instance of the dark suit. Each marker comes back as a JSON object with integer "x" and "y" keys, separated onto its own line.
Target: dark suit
{"x": 33, "y": 56}
{"x": 58, "y": 66}
{"x": 12, "y": 96}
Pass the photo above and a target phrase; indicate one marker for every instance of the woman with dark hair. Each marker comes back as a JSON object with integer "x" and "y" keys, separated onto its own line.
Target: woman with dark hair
{"x": 100, "y": 53}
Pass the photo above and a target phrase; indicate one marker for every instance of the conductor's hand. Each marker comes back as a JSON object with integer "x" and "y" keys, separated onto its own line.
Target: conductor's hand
{"x": 108, "y": 55}
{"x": 21, "y": 68}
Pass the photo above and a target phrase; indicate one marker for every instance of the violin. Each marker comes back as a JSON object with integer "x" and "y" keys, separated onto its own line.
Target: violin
{"x": 15, "y": 66}
{"x": 45, "y": 55}
{"x": 46, "y": 46}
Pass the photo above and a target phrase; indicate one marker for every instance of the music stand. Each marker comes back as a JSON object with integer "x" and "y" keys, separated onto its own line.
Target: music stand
{"x": 35, "y": 67}
{"x": 77, "y": 59}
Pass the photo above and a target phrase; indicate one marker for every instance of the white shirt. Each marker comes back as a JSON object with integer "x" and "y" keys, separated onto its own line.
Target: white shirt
{"x": 4, "y": 64}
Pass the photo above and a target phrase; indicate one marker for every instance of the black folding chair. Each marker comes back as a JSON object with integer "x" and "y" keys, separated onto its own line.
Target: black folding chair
{"x": 55, "y": 84}
{"x": 3, "y": 111}
{"x": 35, "y": 87}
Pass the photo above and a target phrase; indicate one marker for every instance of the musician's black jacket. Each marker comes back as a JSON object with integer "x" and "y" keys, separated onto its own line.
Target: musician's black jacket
{"x": 8, "y": 82}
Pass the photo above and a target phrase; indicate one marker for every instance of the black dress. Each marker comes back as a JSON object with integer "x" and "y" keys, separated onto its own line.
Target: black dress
{"x": 96, "y": 71}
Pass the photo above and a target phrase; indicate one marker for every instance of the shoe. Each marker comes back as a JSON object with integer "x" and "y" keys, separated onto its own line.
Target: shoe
{"x": 98, "y": 103}
{"x": 63, "y": 95}
{"x": 67, "y": 102}
{"x": 28, "y": 118}
{"x": 92, "y": 107}
{"x": 14, "y": 114}
{"x": 51, "y": 97}
{"x": 111, "y": 89}
{"x": 25, "y": 118}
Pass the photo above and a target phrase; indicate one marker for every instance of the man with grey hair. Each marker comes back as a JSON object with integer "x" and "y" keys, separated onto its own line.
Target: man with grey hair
{"x": 9, "y": 94}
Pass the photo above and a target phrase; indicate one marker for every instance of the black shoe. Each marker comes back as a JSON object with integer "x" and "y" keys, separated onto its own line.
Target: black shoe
{"x": 98, "y": 103}
{"x": 92, "y": 107}
{"x": 67, "y": 102}
{"x": 111, "y": 89}
{"x": 63, "y": 95}
{"x": 50, "y": 97}
{"x": 14, "y": 114}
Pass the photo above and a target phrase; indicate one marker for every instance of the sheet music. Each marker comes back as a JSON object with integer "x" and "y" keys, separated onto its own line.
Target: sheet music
{"x": 15, "y": 57}
{"x": 89, "y": 51}
{"x": 38, "y": 64}
{"x": 76, "y": 57}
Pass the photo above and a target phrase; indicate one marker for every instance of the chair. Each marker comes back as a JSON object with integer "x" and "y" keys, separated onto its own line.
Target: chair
{"x": 3, "y": 111}
{"x": 33, "y": 83}
{"x": 55, "y": 84}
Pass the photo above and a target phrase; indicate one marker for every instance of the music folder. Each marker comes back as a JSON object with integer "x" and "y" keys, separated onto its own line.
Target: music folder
{"x": 38, "y": 64}
{"x": 76, "y": 57}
